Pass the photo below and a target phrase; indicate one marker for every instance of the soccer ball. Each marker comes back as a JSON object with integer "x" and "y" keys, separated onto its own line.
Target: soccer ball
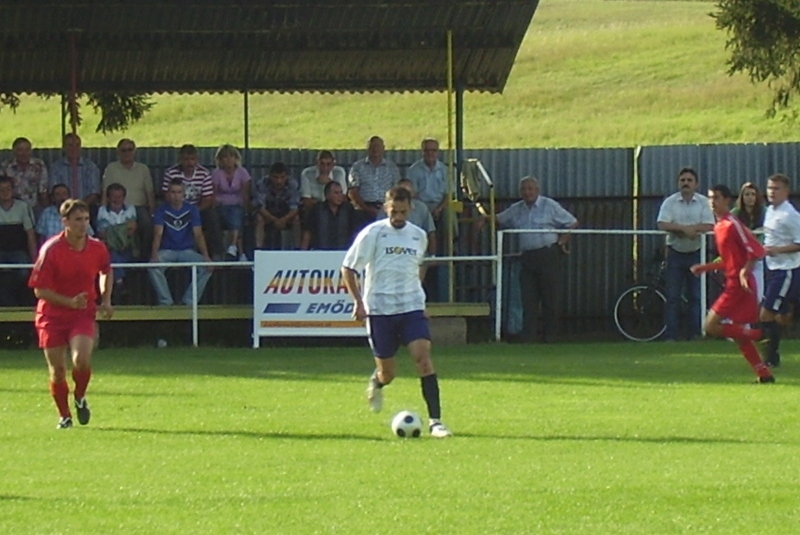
{"x": 407, "y": 424}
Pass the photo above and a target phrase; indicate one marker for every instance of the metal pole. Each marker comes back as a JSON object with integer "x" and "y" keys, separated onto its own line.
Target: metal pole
{"x": 195, "y": 322}
{"x": 246, "y": 103}
{"x": 451, "y": 170}
{"x": 498, "y": 289}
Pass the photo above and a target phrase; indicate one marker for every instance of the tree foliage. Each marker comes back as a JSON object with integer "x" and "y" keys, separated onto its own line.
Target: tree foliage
{"x": 117, "y": 111}
{"x": 764, "y": 42}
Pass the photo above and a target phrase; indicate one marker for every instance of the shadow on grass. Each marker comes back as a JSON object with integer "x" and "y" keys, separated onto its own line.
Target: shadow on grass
{"x": 624, "y": 439}
{"x": 15, "y": 498}
{"x": 249, "y": 434}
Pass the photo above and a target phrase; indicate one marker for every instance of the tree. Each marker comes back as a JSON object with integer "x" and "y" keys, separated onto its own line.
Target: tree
{"x": 764, "y": 41}
{"x": 117, "y": 111}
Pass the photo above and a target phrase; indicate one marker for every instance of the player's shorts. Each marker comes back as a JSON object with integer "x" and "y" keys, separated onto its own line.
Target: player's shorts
{"x": 57, "y": 332}
{"x": 737, "y": 304}
{"x": 386, "y": 333}
{"x": 781, "y": 288}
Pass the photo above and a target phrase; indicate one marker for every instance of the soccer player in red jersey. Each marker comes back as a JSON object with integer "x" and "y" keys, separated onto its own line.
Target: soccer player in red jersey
{"x": 64, "y": 280}
{"x": 736, "y": 309}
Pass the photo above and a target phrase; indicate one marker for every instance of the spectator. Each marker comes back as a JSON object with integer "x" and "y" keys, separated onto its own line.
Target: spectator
{"x": 232, "y": 191}
{"x": 17, "y": 241}
{"x": 117, "y": 225}
{"x": 178, "y": 237}
{"x": 314, "y": 179}
{"x": 199, "y": 191}
{"x": 29, "y": 174}
{"x": 542, "y": 256}
{"x": 370, "y": 179}
{"x": 50, "y": 221}
{"x": 84, "y": 183}
{"x": 685, "y": 215}
{"x": 330, "y": 225}
{"x": 750, "y": 209}
{"x": 275, "y": 202}
{"x": 429, "y": 177}
{"x": 135, "y": 177}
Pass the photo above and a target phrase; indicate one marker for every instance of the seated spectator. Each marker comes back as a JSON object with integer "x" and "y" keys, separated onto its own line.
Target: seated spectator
{"x": 178, "y": 237}
{"x": 314, "y": 179}
{"x": 85, "y": 182}
{"x": 232, "y": 189}
{"x": 29, "y": 174}
{"x": 116, "y": 226}
{"x": 17, "y": 242}
{"x": 275, "y": 203}
{"x": 419, "y": 215}
{"x": 200, "y": 193}
{"x": 50, "y": 221}
{"x": 370, "y": 179}
{"x": 330, "y": 225}
{"x": 135, "y": 177}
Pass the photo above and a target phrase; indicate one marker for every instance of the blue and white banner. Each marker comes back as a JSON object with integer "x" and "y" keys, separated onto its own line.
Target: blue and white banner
{"x": 301, "y": 293}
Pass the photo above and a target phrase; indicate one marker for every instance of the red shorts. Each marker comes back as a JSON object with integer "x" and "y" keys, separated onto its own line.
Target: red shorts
{"x": 737, "y": 304}
{"x": 57, "y": 332}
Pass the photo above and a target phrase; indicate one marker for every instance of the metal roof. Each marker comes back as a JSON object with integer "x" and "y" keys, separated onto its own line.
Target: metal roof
{"x": 259, "y": 46}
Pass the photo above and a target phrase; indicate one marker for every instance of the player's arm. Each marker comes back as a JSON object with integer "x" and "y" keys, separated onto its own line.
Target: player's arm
{"x": 699, "y": 269}
{"x": 75, "y": 302}
{"x": 107, "y": 285}
{"x": 773, "y": 250}
{"x": 351, "y": 283}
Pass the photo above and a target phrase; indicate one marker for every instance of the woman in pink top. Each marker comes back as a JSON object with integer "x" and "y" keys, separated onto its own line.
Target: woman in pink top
{"x": 231, "y": 194}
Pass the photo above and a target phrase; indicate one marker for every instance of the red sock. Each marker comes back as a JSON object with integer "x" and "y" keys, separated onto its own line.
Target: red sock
{"x": 81, "y": 378}
{"x": 748, "y": 349}
{"x": 60, "y": 393}
{"x": 740, "y": 332}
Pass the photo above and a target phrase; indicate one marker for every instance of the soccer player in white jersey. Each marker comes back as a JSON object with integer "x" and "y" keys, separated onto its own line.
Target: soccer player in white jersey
{"x": 782, "y": 284}
{"x": 390, "y": 252}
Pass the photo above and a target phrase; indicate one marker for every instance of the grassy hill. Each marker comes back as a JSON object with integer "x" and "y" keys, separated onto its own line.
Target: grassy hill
{"x": 590, "y": 73}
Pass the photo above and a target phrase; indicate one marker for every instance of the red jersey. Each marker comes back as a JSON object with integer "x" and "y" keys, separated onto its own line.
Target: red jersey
{"x": 66, "y": 271}
{"x": 736, "y": 245}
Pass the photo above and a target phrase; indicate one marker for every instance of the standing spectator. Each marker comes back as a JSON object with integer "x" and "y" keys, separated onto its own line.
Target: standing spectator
{"x": 275, "y": 203}
{"x": 390, "y": 299}
{"x": 49, "y": 223}
{"x": 81, "y": 174}
{"x": 542, "y": 256}
{"x": 429, "y": 177}
{"x": 116, "y": 226}
{"x": 231, "y": 184}
{"x": 736, "y": 309}
{"x": 782, "y": 243}
{"x": 314, "y": 179}
{"x": 330, "y": 225}
{"x": 750, "y": 209}
{"x": 200, "y": 193}
{"x": 135, "y": 177}
{"x": 685, "y": 215}
{"x": 17, "y": 241}
{"x": 178, "y": 237}
{"x": 370, "y": 179}
{"x": 64, "y": 280}
{"x": 29, "y": 174}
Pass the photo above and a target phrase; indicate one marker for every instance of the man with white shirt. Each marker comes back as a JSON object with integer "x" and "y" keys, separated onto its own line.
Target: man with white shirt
{"x": 390, "y": 253}
{"x": 314, "y": 179}
{"x": 782, "y": 245}
{"x": 685, "y": 215}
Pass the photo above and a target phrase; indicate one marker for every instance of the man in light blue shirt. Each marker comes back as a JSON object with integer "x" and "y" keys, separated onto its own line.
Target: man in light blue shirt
{"x": 429, "y": 177}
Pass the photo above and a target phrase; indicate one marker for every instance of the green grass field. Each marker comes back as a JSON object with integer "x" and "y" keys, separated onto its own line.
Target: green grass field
{"x": 600, "y": 438}
{"x": 589, "y": 73}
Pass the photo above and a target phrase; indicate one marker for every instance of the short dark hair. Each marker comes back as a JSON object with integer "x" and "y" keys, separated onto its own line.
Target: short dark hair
{"x": 325, "y": 154}
{"x": 187, "y": 150}
{"x": 60, "y": 185}
{"x": 177, "y": 181}
{"x": 20, "y": 140}
{"x": 5, "y": 178}
{"x": 116, "y": 186}
{"x": 278, "y": 167}
{"x": 722, "y": 190}
{"x": 781, "y": 178}
{"x": 398, "y": 194}
{"x": 73, "y": 205}
{"x": 328, "y": 186}
{"x": 689, "y": 170}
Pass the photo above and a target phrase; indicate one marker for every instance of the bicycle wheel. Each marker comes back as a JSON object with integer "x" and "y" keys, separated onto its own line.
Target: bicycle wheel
{"x": 639, "y": 313}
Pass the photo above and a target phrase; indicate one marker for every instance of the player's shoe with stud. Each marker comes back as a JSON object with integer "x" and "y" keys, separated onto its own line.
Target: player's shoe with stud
{"x": 439, "y": 430}
{"x": 64, "y": 423}
{"x": 766, "y": 380}
{"x": 374, "y": 396}
{"x": 82, "y": 408}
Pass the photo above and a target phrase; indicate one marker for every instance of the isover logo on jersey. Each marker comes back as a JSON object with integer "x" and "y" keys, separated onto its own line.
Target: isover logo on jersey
{"x": 400, "y": 250}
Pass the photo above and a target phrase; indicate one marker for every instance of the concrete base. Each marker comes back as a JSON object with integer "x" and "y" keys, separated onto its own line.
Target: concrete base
{"x": 448, "y": 331}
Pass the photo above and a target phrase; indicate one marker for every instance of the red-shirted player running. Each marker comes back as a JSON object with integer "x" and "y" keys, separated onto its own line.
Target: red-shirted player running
{"x": 63, "y": 279}
{"x": 739, "y": 251}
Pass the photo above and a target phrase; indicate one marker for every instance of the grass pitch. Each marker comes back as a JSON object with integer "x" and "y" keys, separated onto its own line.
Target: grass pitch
{"x": 593, "y": 438}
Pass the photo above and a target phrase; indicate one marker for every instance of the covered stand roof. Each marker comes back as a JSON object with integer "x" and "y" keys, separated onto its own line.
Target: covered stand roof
{"x": 292, "y": 45}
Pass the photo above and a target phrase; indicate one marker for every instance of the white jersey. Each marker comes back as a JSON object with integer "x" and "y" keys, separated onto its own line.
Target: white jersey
{"x": 391, "y": 258}
{"x": 782, "y": 227}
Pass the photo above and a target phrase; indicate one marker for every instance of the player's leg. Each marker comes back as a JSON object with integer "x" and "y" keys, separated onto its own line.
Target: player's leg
{"x": 740, "y": 309}
{"x": 416, "y": 335}
{"x": 56, "y": 358}
{"x": 777, "y": 294}
{"x": 384, "y": 343}
{"x": 81, "y": 346}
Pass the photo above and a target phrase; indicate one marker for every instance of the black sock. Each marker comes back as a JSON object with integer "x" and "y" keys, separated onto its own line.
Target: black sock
{"x": 772, "y": 331}
{"x": 430, "y": 393}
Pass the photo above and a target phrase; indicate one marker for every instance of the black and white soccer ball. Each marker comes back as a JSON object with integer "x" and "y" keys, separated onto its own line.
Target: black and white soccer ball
{"x": 407, "y": 424}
